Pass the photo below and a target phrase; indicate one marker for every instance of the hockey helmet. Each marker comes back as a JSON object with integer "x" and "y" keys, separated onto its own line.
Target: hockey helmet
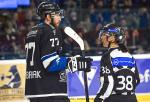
{"x": 113, "y": 30}
{"x": 48, "y": 8}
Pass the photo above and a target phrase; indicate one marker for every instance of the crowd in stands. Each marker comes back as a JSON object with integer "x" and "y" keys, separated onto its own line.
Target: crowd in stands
{"x": 86, "y": 17}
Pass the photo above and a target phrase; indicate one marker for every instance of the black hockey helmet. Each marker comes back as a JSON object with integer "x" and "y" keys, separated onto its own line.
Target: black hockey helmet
{"x": 112, "y": 29}
{"x": 47, "y": 8}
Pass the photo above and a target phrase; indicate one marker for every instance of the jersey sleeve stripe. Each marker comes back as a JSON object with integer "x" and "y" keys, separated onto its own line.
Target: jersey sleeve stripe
{"x": 104, "y": 85}
{"x": 48, "y": 61}
{"x": 109, "y": 88}
{"x": 48, "y": 56}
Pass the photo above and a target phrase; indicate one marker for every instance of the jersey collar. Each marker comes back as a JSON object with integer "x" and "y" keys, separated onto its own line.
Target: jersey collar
{"x": 111, "y": 49}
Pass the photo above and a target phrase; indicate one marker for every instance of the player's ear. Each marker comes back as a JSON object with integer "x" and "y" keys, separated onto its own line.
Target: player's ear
{"x": 48, "y": 17}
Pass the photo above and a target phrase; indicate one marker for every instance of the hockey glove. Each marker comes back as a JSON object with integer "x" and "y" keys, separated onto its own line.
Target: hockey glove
{"x": 78, "y": 63}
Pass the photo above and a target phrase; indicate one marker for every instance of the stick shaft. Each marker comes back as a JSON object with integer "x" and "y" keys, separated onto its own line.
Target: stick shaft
{"x": 85, "y": 82}
{"x": 70, "y": 32}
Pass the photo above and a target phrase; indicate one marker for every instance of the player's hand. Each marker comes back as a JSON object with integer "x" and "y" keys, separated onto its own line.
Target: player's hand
{"x": 78, "y": 63}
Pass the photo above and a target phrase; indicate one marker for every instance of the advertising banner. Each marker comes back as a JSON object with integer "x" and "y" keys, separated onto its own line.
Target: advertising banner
{"x": 12, "y": 79}
{"x": 144, "y": 70}
{"x": 76, "y": 80}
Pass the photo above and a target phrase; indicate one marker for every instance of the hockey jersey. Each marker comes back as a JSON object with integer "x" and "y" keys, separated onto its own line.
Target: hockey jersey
{"x": 118, "y": 74}
{"x": 45, "y": 73}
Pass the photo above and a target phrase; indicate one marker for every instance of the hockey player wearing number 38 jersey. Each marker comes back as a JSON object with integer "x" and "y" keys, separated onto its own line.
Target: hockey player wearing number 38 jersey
{"x": 45, "y": 74}
{"x": 118, "y": 71}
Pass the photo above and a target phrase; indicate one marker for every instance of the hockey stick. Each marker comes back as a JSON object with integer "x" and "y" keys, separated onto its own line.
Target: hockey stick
{"x": 71, "y": 33}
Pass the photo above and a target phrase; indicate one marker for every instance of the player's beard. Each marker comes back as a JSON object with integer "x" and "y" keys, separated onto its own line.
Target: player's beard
{"x": 55, "y": 22}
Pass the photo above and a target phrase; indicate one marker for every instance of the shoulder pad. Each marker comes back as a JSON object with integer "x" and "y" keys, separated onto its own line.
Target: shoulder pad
{"x": 40, "y": 25}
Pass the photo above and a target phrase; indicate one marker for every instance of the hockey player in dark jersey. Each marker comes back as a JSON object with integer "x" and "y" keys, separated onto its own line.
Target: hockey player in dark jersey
{"x": 45, "y": 75}
{"x": 118, "y": 71}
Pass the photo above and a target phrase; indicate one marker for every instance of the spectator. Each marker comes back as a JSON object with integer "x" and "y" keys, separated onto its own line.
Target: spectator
{"x": 82, "y": 35}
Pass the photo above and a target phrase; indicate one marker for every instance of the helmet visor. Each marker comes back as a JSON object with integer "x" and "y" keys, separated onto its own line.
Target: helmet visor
{"x": 62, "y": 13}
{"x": 59, "y": 12}
{"x": 102, "y": 31}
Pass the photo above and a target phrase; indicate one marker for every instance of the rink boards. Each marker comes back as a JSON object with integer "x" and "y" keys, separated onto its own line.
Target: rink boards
{"x": 76, "y": 94}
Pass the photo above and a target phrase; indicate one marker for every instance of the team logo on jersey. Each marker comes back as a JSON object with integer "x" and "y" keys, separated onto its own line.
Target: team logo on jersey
{"x": 116, "y": 62}
{"x": 63, "y": 77}
{"x": 11, "y": 79}
{"x": 123, "y": 61}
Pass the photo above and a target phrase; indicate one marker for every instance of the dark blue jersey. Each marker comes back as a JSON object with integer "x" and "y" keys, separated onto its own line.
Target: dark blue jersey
{"x": 45, "y": 75}
{"x": 118, "y": 73}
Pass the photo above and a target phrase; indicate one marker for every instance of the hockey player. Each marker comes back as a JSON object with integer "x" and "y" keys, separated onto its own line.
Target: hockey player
{"x": 45, "y": 75}
{"x": 118, "y": 72}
